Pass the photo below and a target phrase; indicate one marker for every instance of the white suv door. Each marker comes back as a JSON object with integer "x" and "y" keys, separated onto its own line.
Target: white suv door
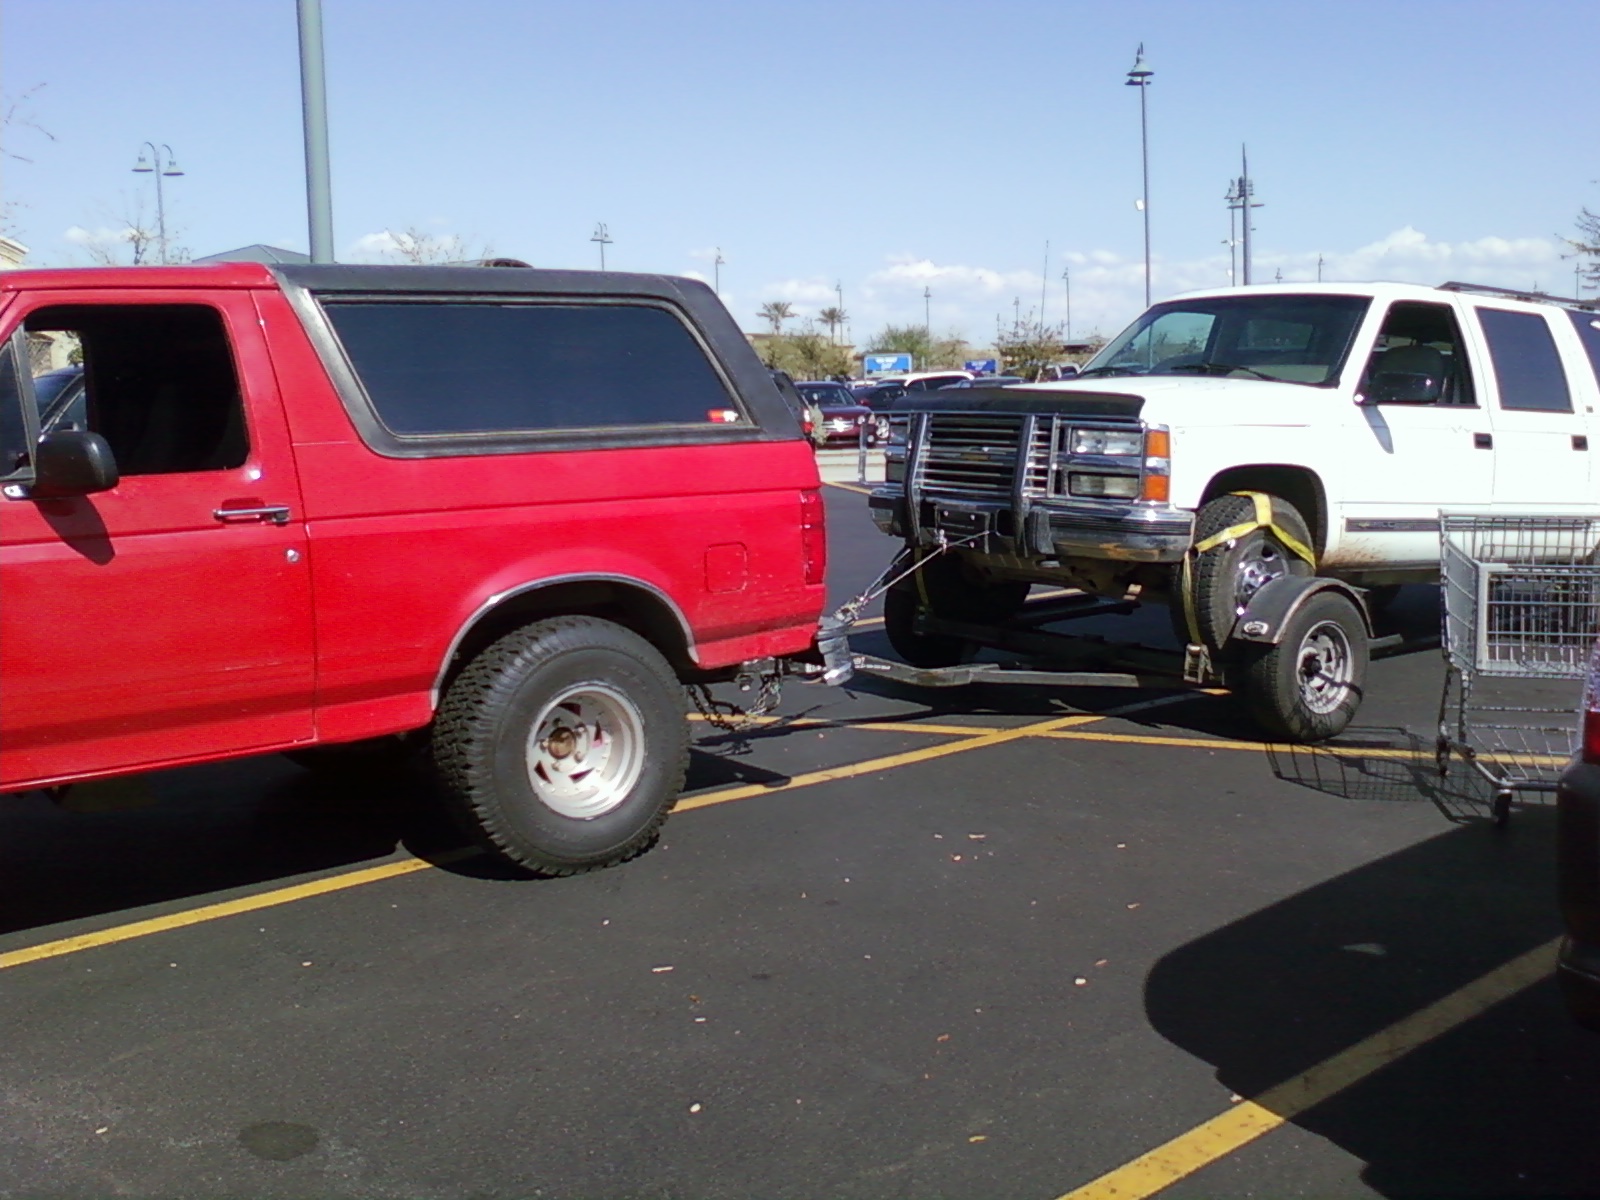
{"x": 1541, "y": 448}
{"x": 1423, "y": 442}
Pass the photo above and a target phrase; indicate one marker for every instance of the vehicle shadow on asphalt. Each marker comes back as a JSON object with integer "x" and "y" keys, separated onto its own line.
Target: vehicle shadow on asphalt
{"x": 1503, "y": 1105}
{"x": 175, "y": 835}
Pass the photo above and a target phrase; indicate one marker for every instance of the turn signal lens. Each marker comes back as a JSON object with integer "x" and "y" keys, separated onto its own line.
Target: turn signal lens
{"x": 1157, "y": 487}
{"x": 1158, "y": 444}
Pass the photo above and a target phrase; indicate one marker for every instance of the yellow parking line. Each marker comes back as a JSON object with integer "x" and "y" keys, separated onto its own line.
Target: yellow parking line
{"x": 1333, "y": 748}
{"x": 1239, "y": 1126}
{"x": 210, "y": 912}
{"x": 866, "y": 724}
{"x": 967, "y": 739}
{"x": 851, "y": 770}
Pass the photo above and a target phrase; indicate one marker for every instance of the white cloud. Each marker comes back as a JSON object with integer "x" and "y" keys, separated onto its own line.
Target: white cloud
{"x": 1107, "y": 290}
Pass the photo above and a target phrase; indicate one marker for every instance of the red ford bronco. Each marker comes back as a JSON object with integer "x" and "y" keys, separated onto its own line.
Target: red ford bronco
{"x": 307, "y": 509}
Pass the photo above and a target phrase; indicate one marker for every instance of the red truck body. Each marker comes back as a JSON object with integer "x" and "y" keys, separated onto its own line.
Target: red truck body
{"x": 318, "y": 588}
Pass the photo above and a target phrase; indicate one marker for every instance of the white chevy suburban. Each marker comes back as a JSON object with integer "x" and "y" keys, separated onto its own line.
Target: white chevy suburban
{"x": 1269, "y": 461}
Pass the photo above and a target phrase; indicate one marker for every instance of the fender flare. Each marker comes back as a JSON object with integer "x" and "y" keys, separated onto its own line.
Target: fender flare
{"x": 1273, "y": 606}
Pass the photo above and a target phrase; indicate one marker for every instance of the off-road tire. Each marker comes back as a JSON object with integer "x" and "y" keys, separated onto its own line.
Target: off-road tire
{"x": 1308, "y": 686}
{"x": 1223, "y": 579}
{"x": 954, "y": 593}
{"x": 596, "y": 790}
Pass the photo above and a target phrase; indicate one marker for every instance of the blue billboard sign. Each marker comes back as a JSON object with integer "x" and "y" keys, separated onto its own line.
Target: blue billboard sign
{"x": 983, "y": 366}
{"x": 886, "y": 364}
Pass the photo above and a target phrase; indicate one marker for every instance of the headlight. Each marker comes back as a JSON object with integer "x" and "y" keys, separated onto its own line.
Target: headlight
{"x": 899, "y": 432}
{"x": 1120, "y": 442}
{"x": 1116, "y": 487}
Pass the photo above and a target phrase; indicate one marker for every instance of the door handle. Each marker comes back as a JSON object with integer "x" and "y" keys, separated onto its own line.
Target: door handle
{"x": 1483, "y": 441}
{"x": 278, "y": 514}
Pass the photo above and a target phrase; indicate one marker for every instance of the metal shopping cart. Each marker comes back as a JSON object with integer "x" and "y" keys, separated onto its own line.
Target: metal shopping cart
{"x": 1521, "y": 613}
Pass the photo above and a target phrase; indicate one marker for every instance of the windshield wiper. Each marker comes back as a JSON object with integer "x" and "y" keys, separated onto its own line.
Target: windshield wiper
{"x": 1105, "y": 371}
{"x": 1219, "y": 368}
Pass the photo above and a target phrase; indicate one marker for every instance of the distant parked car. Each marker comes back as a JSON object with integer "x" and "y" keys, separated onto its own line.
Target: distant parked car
{"x": 844, "y": 416}
{"x": 1578, "y": 861}
{"x": 880, "y": 396}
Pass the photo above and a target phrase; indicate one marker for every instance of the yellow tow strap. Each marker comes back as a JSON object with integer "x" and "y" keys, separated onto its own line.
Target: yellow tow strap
{"x": 1261, "y": 520}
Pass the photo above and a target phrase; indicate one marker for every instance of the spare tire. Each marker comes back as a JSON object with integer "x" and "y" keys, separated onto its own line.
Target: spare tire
{"x": 1222, "y": 580}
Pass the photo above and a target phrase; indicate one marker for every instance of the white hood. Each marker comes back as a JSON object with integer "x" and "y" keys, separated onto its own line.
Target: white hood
{"x": 1187, "y": 401}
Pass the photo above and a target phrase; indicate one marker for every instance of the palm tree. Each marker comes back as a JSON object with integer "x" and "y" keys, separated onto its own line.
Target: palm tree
{"x": 775, "y": 313}
{"x": 834, "y": 319}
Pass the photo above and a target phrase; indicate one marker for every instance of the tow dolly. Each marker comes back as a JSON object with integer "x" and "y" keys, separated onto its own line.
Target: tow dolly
{"x": 1042, "y": 657}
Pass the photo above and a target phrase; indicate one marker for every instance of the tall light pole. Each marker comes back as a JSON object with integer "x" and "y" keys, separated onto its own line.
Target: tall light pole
{"x": 716, "y": 267}
{"x": 927, "y": 312}
{"x": 314, "y": 114}
{"x": 1066, "y": 282}
{"x": 1044, "y": 281}
{"x": 1245, "y": 199}
{"x": 160, "y": 162}
{"x": 603, "y": 236}
{"x": 1233, "y": 232}
{"x": 1139, "y": 76}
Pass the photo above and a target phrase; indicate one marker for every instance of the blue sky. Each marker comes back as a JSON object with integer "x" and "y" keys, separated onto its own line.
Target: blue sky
{"x": 882, "y": 146}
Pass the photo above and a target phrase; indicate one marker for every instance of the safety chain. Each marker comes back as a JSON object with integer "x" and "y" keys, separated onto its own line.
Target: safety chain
{"x": 831, "y": 639}
{"x": 848, "y": 612}
{"x": 732, "y": 718}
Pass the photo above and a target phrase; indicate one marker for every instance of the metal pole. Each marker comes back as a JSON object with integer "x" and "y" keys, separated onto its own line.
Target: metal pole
{"x": 1139, "y": 77}
{"x": 161, "y": 211}
{"x": 1245, "y": 190}
{"x": 1044, "y": 281}
{"x": 1144, "y": 154}
{"x": 716, "y": 266}
{"x": 1233, "y": 234}
{"x": 1066, "y": 280}
{"x": 314, "y": 105}
{"x": 927, "y": 310}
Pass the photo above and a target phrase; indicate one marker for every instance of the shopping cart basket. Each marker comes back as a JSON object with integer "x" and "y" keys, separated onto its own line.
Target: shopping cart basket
{"x": 1521, "y": 613}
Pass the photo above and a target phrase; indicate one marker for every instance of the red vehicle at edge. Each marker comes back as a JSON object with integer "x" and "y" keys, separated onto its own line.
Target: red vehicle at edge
{"x": 317, "y": 506}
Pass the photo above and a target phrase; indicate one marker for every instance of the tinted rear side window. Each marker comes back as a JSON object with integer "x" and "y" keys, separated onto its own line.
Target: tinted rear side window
{"x": 436, "y": 368}
{"x": 1588, "y": 326}
{"x": 1527, "y": 364}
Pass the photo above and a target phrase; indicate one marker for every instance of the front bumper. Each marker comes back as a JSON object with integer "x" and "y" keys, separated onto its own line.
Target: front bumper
{"x": 1040, "y": 529}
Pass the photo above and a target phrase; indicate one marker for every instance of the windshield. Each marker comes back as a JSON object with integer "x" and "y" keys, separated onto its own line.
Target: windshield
{"x": 1288, "y": 338}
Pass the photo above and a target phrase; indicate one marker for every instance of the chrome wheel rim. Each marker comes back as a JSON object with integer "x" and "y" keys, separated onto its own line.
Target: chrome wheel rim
{"x": 1263, "y": 563}
{"x": 1324, "y": 668}
{"x": 586, "y": 751}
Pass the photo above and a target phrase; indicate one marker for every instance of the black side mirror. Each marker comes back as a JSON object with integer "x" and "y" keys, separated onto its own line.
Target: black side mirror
{"x": 72, "y": 462}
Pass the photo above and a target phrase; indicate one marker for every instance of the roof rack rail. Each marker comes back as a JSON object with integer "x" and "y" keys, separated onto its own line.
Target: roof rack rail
{"x": 1518, "y": 294}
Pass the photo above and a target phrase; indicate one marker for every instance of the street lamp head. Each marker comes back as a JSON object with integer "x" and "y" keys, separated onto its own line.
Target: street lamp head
{"x": 171, "y": 168}
{"x": 143, "y": 165}
{"x": 1139, "y": 75}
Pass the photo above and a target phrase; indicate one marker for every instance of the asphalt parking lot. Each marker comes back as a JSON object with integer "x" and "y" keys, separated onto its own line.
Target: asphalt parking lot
{"x": 995, "y": 942}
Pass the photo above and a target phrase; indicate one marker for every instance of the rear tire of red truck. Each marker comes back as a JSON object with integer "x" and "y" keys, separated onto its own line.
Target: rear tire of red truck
{"x": 564, "y": 745}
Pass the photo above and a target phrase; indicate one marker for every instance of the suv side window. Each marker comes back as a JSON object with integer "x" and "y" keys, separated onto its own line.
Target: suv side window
{"x": 1588, "y": 326}
{"x": 1419, "y": 338}
{"x": 158, "y": 383}
{"x": 434, "y": 368}
{"x": 1527, "y": 364}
